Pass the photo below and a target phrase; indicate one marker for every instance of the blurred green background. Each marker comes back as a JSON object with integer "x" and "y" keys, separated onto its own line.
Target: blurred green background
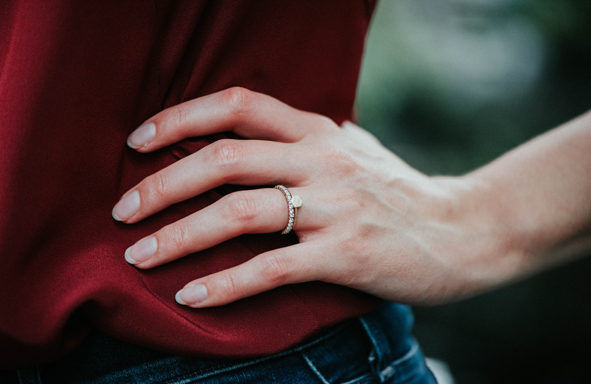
{"x": 449, "y": 85}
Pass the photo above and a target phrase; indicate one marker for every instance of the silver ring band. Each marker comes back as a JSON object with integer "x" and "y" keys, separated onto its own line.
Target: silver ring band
{"x": 293, "y": 203}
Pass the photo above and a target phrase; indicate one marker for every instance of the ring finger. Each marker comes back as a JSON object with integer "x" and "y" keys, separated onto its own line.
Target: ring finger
{"x": 254, "y": 211}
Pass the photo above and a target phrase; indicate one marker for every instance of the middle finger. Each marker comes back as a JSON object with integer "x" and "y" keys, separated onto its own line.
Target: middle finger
{"x": 250, "y": 162}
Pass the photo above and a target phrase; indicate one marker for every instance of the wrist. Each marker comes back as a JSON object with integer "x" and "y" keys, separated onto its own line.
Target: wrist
{"x": 488, "y": 252}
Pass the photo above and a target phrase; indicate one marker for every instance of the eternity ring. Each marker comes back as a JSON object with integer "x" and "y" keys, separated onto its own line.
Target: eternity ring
{"x": 293, "y": 203}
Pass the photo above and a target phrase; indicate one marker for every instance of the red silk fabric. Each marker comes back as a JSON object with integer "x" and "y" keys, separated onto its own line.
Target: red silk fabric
{"x": 76, "y": 77}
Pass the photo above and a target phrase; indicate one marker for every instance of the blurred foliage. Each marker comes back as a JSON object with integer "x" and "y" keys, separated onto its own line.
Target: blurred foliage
{"x": 563, "y": 22}
{"x": 450, "y": 85}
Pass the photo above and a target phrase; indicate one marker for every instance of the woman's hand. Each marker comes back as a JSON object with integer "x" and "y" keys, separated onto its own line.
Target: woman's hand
{"x": 368, "y": 220}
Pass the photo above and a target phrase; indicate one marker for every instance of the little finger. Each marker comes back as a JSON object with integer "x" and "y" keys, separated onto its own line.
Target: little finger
{"x": 266, "y": 271}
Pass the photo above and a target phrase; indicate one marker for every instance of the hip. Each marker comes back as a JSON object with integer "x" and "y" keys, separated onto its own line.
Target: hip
{"x": 373, "y": 348}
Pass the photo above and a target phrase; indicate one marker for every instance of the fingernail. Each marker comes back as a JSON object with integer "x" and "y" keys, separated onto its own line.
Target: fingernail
{"x": 141, "y": 136}
{"x": 142, "y": 250}
{"x": 193, "y": 294}
{"x": 178, "y": 299}
{"x": 127, "y": 206}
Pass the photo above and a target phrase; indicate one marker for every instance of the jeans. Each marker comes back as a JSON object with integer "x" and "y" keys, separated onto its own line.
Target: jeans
{"x": 374, "y": 348}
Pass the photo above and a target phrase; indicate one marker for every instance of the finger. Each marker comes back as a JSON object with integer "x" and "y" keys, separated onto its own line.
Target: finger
{"x": 249, "y": 114}
{"x": 266, "y": 271}
{"x": 256, "y": 211}
{"x": 251, "y": 162}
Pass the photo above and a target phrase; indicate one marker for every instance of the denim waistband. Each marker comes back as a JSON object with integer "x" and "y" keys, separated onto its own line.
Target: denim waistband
{"x": 380, "y": 340}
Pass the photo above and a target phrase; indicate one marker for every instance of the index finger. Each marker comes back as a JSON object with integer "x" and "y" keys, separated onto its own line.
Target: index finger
{"x": 249, "y": 114}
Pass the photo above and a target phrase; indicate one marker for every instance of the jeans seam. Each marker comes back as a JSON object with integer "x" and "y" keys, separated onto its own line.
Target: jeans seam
{"x": 405, "y": 375}
{"x": 187, "y": 378}
{"x": 313, "y": 368}
{"x": 413, "y": 350}
{"x": 383, "y": 374}
{"x": 360, "y": 378}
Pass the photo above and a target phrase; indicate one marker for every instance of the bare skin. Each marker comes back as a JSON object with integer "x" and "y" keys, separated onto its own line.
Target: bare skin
{"x": 368, "y": 221}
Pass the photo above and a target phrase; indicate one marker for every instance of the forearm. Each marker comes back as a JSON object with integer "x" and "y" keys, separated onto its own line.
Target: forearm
{"x": 536, "y": 201}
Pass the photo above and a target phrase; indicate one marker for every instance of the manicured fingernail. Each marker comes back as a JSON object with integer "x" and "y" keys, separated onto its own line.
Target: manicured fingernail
{"x": 193, "y": 294}
{"x": 178, "y": 299}
{"x": 127, "y": 206}
{"x": 142, "y": 250}
{"x": 141, "y": 136}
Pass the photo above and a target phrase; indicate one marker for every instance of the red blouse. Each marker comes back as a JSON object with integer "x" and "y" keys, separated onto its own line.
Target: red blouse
{"x": 76, "y": 77}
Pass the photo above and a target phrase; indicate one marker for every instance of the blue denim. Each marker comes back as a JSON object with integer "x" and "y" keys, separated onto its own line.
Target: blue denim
{"x": 375, "y": 348}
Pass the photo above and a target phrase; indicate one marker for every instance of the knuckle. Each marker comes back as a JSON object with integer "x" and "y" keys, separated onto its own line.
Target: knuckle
{"x": 179, "y": 116}
{"x": 238, "y": 100}
{"x": 178, "y": 236}
{"x": 276, "y": 269}
{"x": 353, "y": 199}
{"x": 358, "y": 255}
{"x": 227, "y": 153}
{"x": 242, "y": 208}
{"x": 159, "y": 186}
{"x": 347, "y": 240}
{"x": 227, "y": 285}
{"x": 340, "y": 160}
{"x": 327, "y": 123}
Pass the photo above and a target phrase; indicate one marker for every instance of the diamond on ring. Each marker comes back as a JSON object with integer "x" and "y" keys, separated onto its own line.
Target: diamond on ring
{"x": 293, "y": 203}
{"x": 296, "y": 201}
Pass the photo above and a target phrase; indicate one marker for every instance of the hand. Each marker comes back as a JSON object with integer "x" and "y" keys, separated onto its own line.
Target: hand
{"x": 368, "y": 220}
